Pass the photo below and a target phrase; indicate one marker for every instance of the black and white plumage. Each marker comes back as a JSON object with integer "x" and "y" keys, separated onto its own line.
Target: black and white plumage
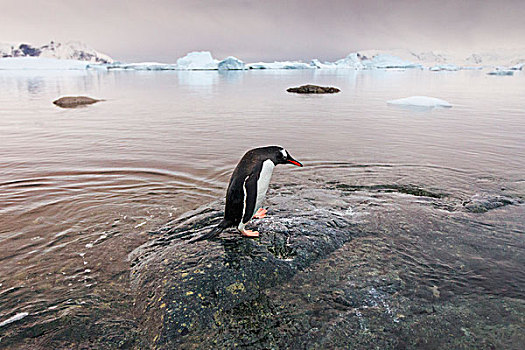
{"x": 247, "y": 189}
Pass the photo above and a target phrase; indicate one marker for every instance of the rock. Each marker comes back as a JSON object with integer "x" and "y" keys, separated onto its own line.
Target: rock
{"x": 74, "y": 101}
{"x": 313, "y": 89}
{"x": 188, "y": 292}
{"x": 481, "y": 203}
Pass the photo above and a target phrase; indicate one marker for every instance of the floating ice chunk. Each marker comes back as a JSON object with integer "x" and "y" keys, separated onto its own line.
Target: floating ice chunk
{"x": 199, "y": 60}
{"x": 447, "y": 67}
{"x": 384, "y": 61}
{"x": 15, "y": 318}
{"x": 231, "y": 63}
{"x": 501, "y": 71}
{"x": 420, "y": 101}
{"x": 139, "y": 66}
{"x": 39, "y": 63}
{"x": 280, "y": 65}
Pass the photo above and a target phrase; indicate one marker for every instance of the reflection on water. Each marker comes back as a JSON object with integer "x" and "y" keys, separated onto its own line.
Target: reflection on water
{"x": 79, "y": 189}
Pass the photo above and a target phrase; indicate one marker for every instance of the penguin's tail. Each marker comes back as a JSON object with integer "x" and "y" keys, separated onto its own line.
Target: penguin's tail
{"x": 212, "y": 233}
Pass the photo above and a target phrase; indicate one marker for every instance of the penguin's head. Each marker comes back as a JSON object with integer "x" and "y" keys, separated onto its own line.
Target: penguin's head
{"x": 281, "y": 156}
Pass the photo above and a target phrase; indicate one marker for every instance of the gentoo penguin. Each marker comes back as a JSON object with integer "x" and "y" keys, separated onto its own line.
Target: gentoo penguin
{"x": 247, "y": 188}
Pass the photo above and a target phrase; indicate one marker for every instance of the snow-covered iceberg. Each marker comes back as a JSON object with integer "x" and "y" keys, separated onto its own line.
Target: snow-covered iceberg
{"x": 358, "y": 61}
{"x": 72, "y": 50}
{"x": 39, "y": 63}
{"x": 352, "y": 61}
{"x": 280, "y": 65}
{"x": 198, "y": 60}
{"x": 420, "y": 101}
{"x": 231, "y": 63}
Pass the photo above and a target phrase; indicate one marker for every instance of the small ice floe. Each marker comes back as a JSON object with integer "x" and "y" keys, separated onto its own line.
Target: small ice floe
{"x": 15, "y": 318}
{"x": 501, "y": 71}
{"x": 420, "y": 101}
{"x": 147, "y": 66}
{"x": 445, "y": 67}
{"x": 280, "y": 65}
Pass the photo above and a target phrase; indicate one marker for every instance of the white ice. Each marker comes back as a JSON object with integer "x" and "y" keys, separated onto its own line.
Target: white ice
{"x": 501, "y": 71}
{"x": 384, "y": 61}
{"x": 39, "y": 63}
{"x": 446, "y": 67}
{"x": 420, "y": 101}
{"x": 139, "y": 66}
{"x": 199, "y": 60}
{"x": 231, "y": 63}
{"x": 280, "y": 65}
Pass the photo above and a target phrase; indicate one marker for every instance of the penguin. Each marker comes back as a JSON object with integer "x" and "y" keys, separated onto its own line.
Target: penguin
{"x": 247, "y": 189}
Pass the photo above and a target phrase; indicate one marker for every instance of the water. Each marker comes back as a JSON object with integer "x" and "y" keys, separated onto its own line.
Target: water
{"x": 80, "y": 188}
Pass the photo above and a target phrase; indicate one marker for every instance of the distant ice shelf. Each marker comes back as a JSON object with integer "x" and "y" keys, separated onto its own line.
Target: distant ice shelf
{"x": 40, "y": 63}
{"x": 420, "y": 101}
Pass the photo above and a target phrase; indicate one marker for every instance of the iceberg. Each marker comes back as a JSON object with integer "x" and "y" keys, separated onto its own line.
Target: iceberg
{"x": 198, "y": 60}
{"x": 445, "y": 67}
{"x": 352, "y": 61}
{"x": 358, "y": 61}
{"x": 138, "y": 66}
{"x": 39, "y": 63}
{"x": 501, "y": 71}
{"x": 420, "y": 101}
{"x": 231, "y": 63}
{"x": 385, "y": 61}
{"x": 280, "y": 65}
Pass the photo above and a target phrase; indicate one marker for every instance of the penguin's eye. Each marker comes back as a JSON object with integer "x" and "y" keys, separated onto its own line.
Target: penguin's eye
{"x": 284, "y": 154}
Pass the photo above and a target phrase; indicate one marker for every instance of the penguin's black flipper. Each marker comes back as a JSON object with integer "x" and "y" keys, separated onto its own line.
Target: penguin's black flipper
{"x": 250, "y": 190}
{"x": 212, "y": 233}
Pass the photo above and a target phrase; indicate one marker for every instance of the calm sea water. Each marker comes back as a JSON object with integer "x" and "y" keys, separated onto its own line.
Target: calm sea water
{"x": 80, "y": 188}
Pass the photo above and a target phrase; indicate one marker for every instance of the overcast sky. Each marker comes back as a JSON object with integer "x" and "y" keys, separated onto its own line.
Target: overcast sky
{"x": 164, "y": 30}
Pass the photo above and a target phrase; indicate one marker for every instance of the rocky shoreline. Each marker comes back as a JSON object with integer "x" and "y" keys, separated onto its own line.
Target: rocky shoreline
{"x": 327, "y": 272}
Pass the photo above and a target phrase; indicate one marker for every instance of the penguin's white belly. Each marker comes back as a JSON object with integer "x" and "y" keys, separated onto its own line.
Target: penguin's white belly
{"x": 263, "y": 182}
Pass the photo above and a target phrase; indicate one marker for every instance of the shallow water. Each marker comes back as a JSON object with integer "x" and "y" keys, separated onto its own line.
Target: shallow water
{"x": 80, "y": 188}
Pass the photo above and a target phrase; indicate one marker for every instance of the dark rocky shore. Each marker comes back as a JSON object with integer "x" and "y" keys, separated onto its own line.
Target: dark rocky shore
{"x": 335, "y": 267}
{"x": 352, "y": 263}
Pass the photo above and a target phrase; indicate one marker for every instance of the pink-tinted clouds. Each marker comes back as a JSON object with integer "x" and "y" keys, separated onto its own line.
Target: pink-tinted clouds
{"x": 296, "y": 29}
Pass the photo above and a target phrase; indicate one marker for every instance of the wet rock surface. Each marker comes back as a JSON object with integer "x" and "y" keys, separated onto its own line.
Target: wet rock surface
{"x": 481, "y": 203}
{"x": 313, "y": 89}
{"x": 75, "y": 101}
{"x": 338, "y": 266}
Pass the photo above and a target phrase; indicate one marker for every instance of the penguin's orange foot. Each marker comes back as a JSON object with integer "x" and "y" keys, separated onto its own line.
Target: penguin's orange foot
{"x": 250, "y": 233}
{"x": 261, "y": 213}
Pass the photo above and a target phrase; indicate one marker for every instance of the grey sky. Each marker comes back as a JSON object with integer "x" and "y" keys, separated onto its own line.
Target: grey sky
{"x": 164, "y": 30}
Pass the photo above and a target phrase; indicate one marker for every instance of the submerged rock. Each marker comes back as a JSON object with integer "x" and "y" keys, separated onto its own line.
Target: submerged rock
{"x": 481, "y": 203}
{"x": 313, "y": 89}
{"x": 74, "y": 101}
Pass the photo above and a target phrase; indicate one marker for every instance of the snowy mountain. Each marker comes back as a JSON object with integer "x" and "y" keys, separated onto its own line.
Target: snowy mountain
{"x": 69, "y": 51}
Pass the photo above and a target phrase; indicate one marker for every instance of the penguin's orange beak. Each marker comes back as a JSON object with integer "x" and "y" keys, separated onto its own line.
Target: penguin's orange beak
{"x": 294, "y": 162}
